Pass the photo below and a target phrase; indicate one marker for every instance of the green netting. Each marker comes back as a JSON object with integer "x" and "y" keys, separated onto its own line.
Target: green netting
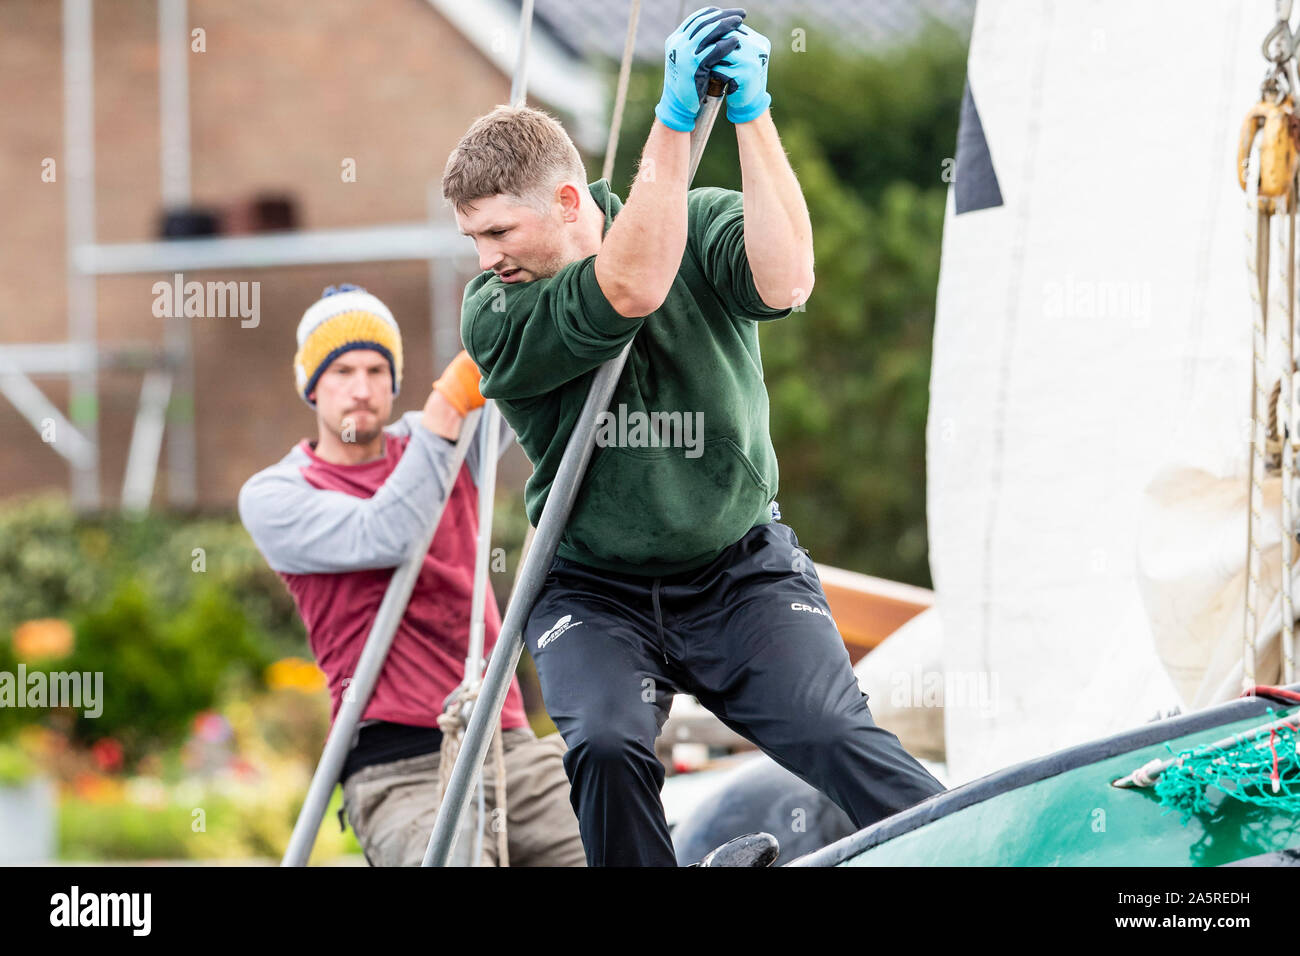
{"x": 1261, "y": 766}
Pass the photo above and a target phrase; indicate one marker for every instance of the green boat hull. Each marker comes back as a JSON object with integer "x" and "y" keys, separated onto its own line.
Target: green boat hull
{"x": 1061, "y": 810}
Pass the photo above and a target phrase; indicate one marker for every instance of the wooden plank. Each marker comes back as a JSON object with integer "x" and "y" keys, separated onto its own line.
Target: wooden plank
{"x": 868, "y": 609}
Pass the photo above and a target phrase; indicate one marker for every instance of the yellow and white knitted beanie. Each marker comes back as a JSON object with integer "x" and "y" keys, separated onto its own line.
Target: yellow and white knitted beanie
{"x": 345, "y": 318}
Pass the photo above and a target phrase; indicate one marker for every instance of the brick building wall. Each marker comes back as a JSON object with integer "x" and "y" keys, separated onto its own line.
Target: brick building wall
{"x": 281, "y": 96}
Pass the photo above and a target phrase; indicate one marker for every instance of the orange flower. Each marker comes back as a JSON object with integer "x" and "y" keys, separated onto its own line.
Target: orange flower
{"x": 43, "y": 638}
{"x": 94, "y": 788}
{"x": 294, "y": 673}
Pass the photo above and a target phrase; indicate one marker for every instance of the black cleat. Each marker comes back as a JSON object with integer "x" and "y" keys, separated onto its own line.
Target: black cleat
{"x": 752, "y": 849}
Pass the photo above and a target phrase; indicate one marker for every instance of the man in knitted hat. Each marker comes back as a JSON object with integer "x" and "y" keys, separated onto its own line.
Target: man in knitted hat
{"x": 673, "y": 572}
{"x": 333, "y": 518}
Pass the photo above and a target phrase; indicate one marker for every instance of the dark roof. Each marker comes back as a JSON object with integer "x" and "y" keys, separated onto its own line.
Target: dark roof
{"x": 598, "y": 27}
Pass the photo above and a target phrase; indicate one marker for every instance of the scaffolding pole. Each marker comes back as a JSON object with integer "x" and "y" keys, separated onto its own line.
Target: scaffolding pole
{"x": 79, "y": 199}
{"x": 174, "y": 126}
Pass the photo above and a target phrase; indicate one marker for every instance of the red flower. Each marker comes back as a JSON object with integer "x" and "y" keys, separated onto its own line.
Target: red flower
{"x": 108, "y": 754}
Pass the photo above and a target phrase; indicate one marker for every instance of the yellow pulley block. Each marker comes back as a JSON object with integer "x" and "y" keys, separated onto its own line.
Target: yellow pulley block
{"x": 1279, "y": 130}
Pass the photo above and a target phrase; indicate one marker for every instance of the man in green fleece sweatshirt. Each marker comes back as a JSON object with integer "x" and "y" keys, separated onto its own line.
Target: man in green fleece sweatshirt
{"x": 673, "y": 573}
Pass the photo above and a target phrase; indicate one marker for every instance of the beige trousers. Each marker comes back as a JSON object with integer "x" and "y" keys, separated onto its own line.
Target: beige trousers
{"x": 392, "y": 806}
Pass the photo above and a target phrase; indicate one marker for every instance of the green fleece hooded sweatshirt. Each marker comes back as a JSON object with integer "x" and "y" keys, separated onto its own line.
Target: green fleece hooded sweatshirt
{"x": 683, "y": 465}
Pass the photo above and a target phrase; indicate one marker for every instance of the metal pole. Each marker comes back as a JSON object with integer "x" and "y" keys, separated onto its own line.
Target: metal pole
{"x": 174, "y": 126}
{"x": 489, "y": 442}
{"x": 704, "y": 125}
{"x": 444, "y": 296}
{"x": 362, "y": 685}
{"x": 488, "y": 438}
{"x": 146, "y": 441}
{"x": 174, "y": 101}
{"x": 32, "y": 404}
{"x": 555, "y": 515}
{"x": 79, "y": 168}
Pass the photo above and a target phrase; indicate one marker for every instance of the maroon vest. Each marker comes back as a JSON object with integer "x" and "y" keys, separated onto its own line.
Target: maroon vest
{"x": 427, "y": 659}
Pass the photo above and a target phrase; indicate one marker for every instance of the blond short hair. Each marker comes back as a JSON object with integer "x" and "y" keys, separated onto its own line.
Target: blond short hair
{"x": 515, "y": 150}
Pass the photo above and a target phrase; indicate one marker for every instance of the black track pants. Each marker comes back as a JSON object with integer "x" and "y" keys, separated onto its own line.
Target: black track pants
{"x": 749, "y": 635}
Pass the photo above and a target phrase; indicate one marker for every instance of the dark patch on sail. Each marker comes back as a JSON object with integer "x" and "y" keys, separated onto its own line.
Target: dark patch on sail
{"x": 975, "y": 180}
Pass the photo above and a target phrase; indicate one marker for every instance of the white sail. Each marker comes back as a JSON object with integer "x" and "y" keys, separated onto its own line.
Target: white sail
{"x": 1090, "y": 390}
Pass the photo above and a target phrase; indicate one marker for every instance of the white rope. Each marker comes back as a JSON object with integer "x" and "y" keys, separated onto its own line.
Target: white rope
{"x": 452, "y": 726}
{"x": 519, "y": 82}
{"x": 1280, "y": 299}
{"x": 500, "y": 813}
{"x": 1257, "y": 247}
{"x": 1147, "y": 774}
{"x": 1286, "y": 431}
{"x": 620, "y": 96}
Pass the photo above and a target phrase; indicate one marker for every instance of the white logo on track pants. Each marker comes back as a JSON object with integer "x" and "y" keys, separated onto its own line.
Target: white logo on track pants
{"x": 556, "y": 629}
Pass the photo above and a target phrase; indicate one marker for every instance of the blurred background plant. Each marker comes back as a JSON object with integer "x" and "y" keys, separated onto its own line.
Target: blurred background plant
{"x": 213, "y": 709}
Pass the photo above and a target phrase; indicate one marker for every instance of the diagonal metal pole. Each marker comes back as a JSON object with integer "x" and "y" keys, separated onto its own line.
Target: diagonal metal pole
{"x": 555, "y": 515}
{"x": 371, "y": 662}
{"x": 488, "y": 439}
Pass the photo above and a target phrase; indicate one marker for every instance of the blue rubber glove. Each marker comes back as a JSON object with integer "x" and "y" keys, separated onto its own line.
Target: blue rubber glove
{"x": 690, "y": 53}
{"x": 746, "y": 69}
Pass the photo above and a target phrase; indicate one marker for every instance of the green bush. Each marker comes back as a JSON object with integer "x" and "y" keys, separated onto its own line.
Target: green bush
{"x": 94, "y": 831}
{"x": 49, "y": 565}
{"x": 170, "y": 609}
{"x": 55, "y": 563}
{"x": 231, "y": 828}
{"x": 15, "y": 766}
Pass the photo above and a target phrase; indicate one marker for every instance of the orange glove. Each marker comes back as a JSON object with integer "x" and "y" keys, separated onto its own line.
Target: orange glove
{"x": 459, "y": 384}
